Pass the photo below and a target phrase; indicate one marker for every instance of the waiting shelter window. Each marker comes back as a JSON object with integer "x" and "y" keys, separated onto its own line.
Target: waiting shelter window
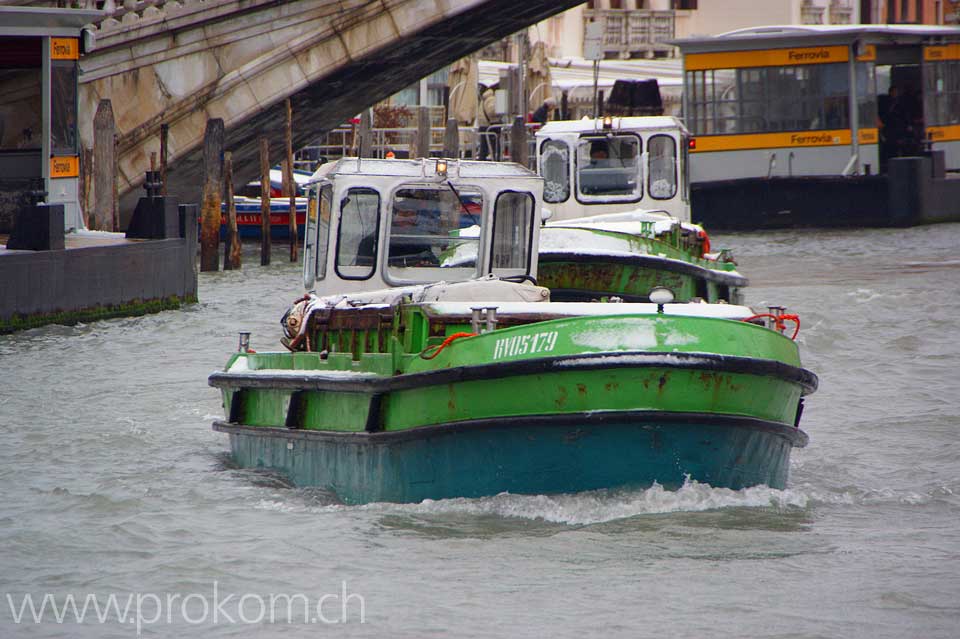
{"x": 434, "y": 227}
{"x": 777, "y": 98}
{"x": 555, "y": 169}
{"x": 662, "y": 171}
{"x": 513, "y": 220}
{"x": 608, "y": 168}
{"x": 20, "y": 110}
{"x": 357, "y": 234}
{"x": 63, "y": 107}
{"x": 942, "y": 92}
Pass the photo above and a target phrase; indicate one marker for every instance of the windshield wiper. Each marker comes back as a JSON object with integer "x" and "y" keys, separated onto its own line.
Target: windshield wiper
{"x": 463, "y": 205}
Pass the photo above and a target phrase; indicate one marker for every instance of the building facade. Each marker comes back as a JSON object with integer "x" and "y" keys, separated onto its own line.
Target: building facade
{"x": 642, "y": 28}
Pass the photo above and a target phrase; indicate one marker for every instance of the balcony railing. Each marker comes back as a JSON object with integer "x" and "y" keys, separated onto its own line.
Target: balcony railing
{"x": 811, "y": 13}
{"x": 635, "y": 33}
{"x": 840, "y": 12}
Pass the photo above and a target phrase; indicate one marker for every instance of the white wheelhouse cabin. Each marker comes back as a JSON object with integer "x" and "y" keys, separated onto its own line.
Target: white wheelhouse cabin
{"x": 374, "y": 224}
{"x": 614, "y": 165}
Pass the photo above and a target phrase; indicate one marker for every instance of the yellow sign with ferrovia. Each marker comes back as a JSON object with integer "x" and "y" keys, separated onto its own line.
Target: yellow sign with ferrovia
{"x": 64, "y": 49}
{"x": 868, "y": 136}
{"x": 943, "y": 133}
{"x": 65, "y": 166}
{"x": 742, "y": 142}
{"x": 765, "y": 58}
{"x": 941, "y": 52}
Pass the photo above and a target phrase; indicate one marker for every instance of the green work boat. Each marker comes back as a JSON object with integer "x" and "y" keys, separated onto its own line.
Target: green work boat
{"x": 461, "y": 378}
{"x": 618, "y": 196}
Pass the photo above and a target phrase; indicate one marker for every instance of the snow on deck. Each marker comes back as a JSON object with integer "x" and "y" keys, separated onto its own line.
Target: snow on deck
{"x": 586, "y": 309}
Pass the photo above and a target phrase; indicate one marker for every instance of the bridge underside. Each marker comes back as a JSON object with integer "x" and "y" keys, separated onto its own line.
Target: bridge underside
{"x": 351, "y": 84}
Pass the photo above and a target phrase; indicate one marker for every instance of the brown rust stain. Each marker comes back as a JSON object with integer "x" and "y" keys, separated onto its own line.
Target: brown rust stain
{"x": 663, "y": 381}
{"x": 561, "y": 400}
{"x": 582, "y": 390}
{"x": 452, "y": 398}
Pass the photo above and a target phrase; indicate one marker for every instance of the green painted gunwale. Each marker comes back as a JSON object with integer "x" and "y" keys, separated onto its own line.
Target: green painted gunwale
{"x": 593, "y": 364}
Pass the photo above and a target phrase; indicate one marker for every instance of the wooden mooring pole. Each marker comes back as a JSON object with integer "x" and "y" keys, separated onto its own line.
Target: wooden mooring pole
{"x": 264, "y": 201}
{"x": 104, "y": 165}
{"x": 365, "y": 144}
{"x": 518, "y": 142}
{"x": 291, "y": 185}
{"x": 164, "y": 140}
{"x": 116, "y": 186}
{"x": 451, "y": 139}
{"x": 231, "y": 248}
{"x": 423, "y": 132}
{"x": 212, "y": 186}
{"x": 86, "y": 189}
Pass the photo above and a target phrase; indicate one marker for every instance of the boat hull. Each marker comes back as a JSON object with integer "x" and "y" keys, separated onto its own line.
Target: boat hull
{"x": 527, "y": 455}
{"x": 249, "y": 224}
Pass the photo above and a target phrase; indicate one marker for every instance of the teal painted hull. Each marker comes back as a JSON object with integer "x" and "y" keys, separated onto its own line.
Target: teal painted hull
{"x": 529, "y": 456}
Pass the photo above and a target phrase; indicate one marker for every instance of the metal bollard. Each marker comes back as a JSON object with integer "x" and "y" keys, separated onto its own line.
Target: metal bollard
{"x": 491, "y": 318}
{"x": 475, "y": 319}
{"x": 776, "y": 311}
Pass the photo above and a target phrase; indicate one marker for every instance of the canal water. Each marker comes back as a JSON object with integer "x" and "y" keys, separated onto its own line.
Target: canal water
{"x": 113, "y": 485}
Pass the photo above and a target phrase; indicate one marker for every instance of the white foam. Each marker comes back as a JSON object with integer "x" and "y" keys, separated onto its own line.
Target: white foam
{"x": 864, "y": 295}
{"x": 602, "y": 506}
{"x": 577, "y": 509}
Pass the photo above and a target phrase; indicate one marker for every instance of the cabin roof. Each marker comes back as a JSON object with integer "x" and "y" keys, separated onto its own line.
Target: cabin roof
{"x": 424, "y": 167}
{"x": 590, "y": 125}
{"x": 798, "y": 35}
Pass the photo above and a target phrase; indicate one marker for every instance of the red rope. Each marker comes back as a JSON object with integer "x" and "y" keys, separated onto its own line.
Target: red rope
{"x": 442, "y": 346}
{"x": 778, "y": 321}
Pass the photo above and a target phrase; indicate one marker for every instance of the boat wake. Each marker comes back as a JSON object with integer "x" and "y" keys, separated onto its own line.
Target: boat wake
{"x": 603, "y": 506}
{"x": 577, "y": 509}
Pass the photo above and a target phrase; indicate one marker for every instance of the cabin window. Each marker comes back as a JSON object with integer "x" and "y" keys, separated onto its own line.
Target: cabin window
{"x": 685, "y": 168}
{"x": 774, "y": 99}
{"x": 662, "y": 171}
{"x": 323, "y": 230}
{"x": 513, "y": 222}
{"x": 608, "y": 169}
{"x": 357, "y": 234}
{"x": 555, "y": 169}
{"x": 434, "y": 228}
